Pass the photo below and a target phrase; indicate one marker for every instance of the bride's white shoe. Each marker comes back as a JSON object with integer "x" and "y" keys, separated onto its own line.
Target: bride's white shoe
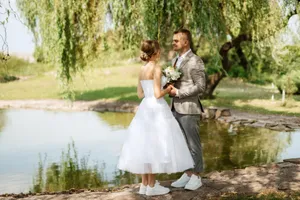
{"x": 157, "y": 190}
{"x": 143, "y": 188}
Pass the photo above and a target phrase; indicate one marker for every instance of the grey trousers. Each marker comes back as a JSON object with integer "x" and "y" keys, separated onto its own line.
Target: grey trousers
{"x": 190, "y": 126}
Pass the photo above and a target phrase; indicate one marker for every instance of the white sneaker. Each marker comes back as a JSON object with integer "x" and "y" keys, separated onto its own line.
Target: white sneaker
{"x": 182, "y": 181}
{"x": 156, "y": 190}
{"x": 194, "y": 183}
{"x": 143, "y": 189}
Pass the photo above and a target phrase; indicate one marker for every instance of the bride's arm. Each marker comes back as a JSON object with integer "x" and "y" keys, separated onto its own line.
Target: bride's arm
{"x": 158, "y": 93}
{"x": 140, "y": 91}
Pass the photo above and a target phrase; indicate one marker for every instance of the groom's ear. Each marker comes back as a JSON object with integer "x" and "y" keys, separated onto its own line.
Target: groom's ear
{"x": 187, "y": 42}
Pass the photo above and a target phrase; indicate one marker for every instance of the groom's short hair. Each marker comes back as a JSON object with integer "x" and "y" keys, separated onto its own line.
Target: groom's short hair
{"x": 186, "y": 32}
{"x": 188, "y": 36}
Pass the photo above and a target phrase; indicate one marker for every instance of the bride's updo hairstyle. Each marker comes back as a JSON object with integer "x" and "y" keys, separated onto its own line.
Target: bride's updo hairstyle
{"x": 149, "y": 48}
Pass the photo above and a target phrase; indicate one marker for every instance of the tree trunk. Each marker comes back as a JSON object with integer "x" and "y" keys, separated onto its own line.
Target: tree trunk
{"x": 214, "y": 79}
{"x": 243, "y": 59}
{"x": 212, "y": 82}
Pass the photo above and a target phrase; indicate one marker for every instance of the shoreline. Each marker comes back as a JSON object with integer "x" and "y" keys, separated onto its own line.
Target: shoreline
{"x": 223, "y": 115}
{"x": 275, "y": 178}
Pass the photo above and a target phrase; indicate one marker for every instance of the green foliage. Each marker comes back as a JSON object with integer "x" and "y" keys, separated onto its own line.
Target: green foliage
{"x": 18, "y": 67}
{"x": 290, "y": 82}
{"x": 288, "y": 68}
{"x": 38, "y": 54}
{"x": 287, "y": 58}
{"x": 237, "y": 71}
{"x": 69, "y": 173}
{"x": 6, "y": 67}
{"x": 67, "y": 32}
{"x": 7, "y": 78}
{"x": 210, "y": 19}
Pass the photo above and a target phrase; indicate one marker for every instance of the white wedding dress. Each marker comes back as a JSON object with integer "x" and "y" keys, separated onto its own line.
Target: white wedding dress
{"x": 155, "y": 142}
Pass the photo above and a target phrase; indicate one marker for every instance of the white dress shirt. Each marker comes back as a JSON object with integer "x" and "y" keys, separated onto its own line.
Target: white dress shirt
{"x": 178, "y": 63}
{"x": 180, "y": 58}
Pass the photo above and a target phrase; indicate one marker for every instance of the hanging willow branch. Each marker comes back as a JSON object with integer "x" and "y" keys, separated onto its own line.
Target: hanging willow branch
{"x": 5, "y": 12}
{"x": 67, "y": 32}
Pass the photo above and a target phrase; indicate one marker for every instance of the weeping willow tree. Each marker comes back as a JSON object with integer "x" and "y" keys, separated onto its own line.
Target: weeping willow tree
{"x": 223, "y": 24}
{"x": 68, "y": 32}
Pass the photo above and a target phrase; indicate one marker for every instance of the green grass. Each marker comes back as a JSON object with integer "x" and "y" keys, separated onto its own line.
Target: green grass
{"x": 115, "y": 80}
{"x": 95, "y": 83}
{"x": 234, "y": 93}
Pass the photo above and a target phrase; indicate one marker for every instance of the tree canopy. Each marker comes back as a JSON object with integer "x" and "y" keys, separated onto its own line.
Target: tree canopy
{"x": 68, "y": 33}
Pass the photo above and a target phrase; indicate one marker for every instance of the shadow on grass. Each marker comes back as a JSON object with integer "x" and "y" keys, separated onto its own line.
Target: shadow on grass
{"x": 247, "y": 108}
{"x": 119, "y": 93}
{"x": 265, "y": 111}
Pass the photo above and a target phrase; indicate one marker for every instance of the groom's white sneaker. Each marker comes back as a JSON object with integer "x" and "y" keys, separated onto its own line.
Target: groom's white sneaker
{"x": 182, "y": 181}
{"x": 194, "y": 183}
{"x": 157, "y": 190}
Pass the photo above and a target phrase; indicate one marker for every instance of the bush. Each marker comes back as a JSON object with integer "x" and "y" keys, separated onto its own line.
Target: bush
{"x": 13, "y": 63}
{"x": 6, "y": 78}
{"x": 290, "y": 82}
{"x": 237, "y": 72}
{"x": 18, "y": 67}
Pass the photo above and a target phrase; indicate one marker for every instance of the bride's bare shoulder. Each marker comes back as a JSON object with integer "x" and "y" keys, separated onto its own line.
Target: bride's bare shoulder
{"x": 157, "y": 66}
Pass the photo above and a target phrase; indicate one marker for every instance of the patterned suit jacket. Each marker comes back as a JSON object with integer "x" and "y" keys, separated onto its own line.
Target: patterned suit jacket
{"x": 191, "y": 84}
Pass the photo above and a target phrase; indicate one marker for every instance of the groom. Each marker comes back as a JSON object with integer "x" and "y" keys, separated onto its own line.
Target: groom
{"x": 185, "y": 104}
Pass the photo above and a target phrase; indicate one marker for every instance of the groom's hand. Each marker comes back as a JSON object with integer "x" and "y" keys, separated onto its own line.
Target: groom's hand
{"x": 173, "y": 92}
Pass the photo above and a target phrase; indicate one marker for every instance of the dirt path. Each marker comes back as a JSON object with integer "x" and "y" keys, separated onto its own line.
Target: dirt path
{"x": 278, "y": 177}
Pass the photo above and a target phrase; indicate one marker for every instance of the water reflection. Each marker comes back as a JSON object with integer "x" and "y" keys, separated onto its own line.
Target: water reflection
{"x": 26, "y": 133}
{"x": 249, "y": 146}
{"x": 70, "y": 172}
{"x": 2, "y": 119}
{"x": 116, "y": 120}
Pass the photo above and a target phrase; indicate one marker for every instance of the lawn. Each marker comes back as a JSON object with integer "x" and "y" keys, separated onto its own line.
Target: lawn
{"x": 237, "y": 94}
{"x": 118, "y": 82}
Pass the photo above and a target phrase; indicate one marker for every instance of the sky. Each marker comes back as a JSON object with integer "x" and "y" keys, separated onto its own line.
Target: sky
{"x": 19, "y": 38}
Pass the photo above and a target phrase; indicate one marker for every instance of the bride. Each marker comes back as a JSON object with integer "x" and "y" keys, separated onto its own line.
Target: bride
{"x": 155, "y": 143}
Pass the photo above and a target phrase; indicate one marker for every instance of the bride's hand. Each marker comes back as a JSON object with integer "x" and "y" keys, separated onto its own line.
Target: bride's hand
{"x": 169, "y": 88}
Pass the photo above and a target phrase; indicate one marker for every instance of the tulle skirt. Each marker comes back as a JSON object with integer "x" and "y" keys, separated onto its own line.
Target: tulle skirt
{"x": 155, "y": 142}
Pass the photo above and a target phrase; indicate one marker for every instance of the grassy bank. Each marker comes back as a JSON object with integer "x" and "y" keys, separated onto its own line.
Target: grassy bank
{"x": 234, "y": 93}
{"x": 118, "y": 82}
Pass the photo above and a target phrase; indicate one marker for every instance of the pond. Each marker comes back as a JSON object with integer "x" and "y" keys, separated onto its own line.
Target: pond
{"x": 28, "y": 135}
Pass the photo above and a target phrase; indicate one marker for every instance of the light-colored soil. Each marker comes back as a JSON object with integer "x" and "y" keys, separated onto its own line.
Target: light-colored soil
{"x": 278, "y": 177}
